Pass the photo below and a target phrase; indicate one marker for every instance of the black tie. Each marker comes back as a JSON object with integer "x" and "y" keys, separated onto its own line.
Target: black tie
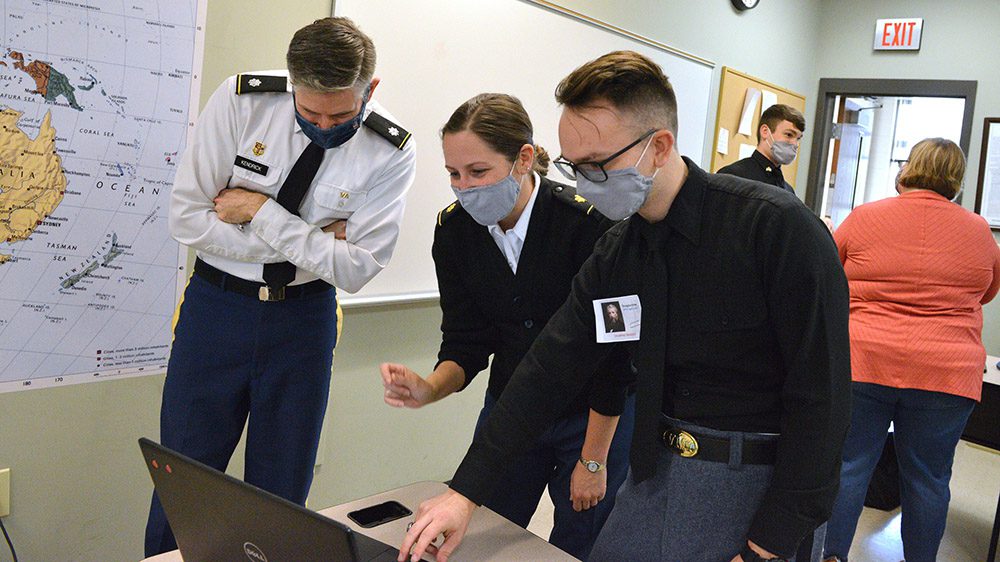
{"x": 651, "y": 354}
{"x": 290, "y": 197}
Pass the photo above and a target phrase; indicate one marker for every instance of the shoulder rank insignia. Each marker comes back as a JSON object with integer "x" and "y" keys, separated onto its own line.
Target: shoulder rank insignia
{"x": 569, "y": 196}
{"x": 254, "y": 83}
{"x": 392, "y": 132}
{"x": 448, "y": 211}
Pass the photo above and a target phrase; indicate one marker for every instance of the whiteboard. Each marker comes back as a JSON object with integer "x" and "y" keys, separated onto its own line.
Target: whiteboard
{"x": 435, "y": 54}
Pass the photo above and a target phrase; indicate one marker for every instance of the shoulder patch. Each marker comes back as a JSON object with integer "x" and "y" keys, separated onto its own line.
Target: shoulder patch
{"x": 448, "y": 211}
{"x": 569, "y": 196}
{"x": 390, "y": 131}
{"x": 255, "y": 83}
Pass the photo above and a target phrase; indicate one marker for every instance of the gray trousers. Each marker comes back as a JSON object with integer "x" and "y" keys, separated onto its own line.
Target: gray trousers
{"x": 691, "y": 510}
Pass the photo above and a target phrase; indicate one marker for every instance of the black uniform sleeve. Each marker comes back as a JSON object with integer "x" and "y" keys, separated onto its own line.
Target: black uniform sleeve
{"x": 467, "y": 338}
{"x": 615, "y": 378}
{"x": 558, "y": 366}
{"x": 808, "y": 296}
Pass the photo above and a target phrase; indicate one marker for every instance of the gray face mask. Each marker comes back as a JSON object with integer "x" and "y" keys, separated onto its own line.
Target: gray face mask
{"x": 488, "y": 204}
{"x": 622, "y": 194}
{"x": 781, "y": 151}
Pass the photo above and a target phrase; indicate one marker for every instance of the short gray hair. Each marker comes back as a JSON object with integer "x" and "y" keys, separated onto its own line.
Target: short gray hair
{"x": 331, "y": 54}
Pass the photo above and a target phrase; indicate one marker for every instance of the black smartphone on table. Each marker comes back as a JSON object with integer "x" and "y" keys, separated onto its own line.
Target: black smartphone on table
{"x": 378, "y": 514}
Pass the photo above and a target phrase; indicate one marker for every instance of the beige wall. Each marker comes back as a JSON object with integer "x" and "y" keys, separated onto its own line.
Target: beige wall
{"x": 79, "y": 488}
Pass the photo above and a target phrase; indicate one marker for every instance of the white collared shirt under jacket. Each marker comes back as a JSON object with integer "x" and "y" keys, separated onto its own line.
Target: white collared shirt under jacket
{"x": 511, "y": 241}
{"x": 364, "y": 181}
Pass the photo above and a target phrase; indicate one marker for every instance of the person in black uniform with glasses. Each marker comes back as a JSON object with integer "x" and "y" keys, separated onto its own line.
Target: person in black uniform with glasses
{"x": 741, "y": 357}
{"x": 506, "y": 253}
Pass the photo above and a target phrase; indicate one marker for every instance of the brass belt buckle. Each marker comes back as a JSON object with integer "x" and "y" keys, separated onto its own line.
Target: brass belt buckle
{"x": 682, "y": 441}
{"x": 271, "y": 294}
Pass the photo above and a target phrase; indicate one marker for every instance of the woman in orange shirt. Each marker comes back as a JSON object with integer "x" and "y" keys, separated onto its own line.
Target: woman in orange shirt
{"x": 919, "y": 267}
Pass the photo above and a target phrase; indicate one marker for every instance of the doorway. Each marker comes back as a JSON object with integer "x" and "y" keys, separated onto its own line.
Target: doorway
{"x": 866, "y": 131}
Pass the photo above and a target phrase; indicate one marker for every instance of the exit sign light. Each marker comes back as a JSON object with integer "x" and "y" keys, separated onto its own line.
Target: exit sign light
{"x": 899, "y": 34}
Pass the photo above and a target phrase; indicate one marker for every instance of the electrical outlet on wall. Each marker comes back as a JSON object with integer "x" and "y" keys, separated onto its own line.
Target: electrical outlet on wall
{"x": 4, "y": 492}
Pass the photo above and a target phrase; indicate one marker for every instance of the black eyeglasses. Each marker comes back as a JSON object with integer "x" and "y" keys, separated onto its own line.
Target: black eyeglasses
{"x": 594, "y": 171}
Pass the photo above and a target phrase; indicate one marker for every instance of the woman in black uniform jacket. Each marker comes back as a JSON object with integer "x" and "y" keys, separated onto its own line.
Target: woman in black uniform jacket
{"x": 506, "y": 253}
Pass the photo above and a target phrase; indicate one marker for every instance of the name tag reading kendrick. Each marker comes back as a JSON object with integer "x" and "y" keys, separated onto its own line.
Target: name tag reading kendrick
{"x": 248, "y": 164}
{"x": 618, "y": 318}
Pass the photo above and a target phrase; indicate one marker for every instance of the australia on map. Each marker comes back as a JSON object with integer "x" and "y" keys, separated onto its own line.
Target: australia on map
{"x": 95, "y": 106}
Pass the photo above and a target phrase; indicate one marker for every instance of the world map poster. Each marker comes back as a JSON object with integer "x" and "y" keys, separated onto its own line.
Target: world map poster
{"x": 96, "y": 99}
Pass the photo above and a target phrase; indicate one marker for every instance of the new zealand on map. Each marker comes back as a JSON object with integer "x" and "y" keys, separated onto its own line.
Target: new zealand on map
{"x": 94, "y": 110}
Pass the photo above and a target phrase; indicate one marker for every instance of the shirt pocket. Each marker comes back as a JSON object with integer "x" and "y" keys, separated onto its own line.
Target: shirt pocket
{"x": 728, "y": 310}
{"x": 255, "y": 175}
{"x": 339, "y": 201}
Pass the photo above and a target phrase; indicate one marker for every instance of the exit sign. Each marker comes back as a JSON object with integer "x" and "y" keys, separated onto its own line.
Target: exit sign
{"x": 899, "y": 34}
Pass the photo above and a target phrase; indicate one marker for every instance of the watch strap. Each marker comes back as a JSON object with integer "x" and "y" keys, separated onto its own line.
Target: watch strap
{"x": 587, "y": 462}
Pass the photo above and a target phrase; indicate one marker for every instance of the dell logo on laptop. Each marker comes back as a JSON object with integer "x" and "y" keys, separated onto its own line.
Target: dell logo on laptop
{"x": 253, "y": 553}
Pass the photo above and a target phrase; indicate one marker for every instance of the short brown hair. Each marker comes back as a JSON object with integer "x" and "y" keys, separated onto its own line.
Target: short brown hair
{"x": 331, "y": 54}
{"x": 630, "y": 82}
{"x": 936, "y": 164}
{"x": 774, "y": 115}
{"x": 501, "y": 121}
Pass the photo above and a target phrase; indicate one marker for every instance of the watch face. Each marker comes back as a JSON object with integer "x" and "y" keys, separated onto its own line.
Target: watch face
{"x": 593, "y": 466}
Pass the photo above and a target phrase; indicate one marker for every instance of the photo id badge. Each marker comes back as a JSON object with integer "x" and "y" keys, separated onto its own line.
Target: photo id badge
{"x": 618, "y": 319}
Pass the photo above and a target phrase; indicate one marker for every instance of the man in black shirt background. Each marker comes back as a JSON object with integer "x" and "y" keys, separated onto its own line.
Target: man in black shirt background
{"x": 742, "y": 356}
{"x": 778, "y": 136}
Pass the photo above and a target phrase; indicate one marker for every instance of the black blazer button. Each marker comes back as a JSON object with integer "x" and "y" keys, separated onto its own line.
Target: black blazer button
{"x": 517, "y": 301}
{"x": 528, "y": 324}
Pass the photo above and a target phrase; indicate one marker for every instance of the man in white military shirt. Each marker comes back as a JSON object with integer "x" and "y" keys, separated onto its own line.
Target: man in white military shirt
{"x": 292, "y": 184}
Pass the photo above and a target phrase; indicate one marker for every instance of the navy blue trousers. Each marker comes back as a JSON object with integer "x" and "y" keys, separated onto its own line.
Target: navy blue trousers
{"x": 233, "y": 358}
{"x": 550, "y": 462}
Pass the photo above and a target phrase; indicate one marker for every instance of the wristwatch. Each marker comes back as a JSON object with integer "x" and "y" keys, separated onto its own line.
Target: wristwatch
{"x": 591, "y": 466}
{"x": 750, "y": 555}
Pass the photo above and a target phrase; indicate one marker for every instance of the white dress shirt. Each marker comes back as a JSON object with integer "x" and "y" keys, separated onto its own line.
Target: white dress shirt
{"x": 511, "y": 242}
{"x": 364, "y": 181}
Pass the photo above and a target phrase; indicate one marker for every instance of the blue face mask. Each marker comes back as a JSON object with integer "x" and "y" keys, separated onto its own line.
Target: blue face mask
{"x": 336, "y": 135}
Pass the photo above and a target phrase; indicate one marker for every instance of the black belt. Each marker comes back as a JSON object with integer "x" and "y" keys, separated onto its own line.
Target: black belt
{"x": 256, "y": 289}
{"x": 691, "y": 444}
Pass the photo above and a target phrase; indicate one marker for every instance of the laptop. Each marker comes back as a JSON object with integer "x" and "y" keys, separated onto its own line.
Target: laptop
{"x": 216, "y": 517}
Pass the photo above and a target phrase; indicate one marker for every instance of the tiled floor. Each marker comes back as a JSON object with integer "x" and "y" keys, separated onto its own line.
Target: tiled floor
{"x": 975, "y": 485}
